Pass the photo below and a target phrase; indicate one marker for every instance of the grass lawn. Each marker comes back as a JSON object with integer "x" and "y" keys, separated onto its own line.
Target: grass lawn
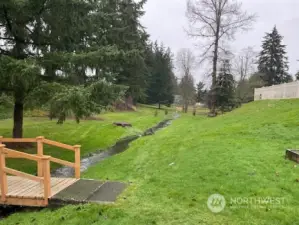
{"x": 91, "y": 134}
{"x": 238, "y": 155}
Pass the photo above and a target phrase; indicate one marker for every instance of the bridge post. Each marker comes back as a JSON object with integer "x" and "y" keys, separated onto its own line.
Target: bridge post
{"x": 47, "y": 177}
{"x": 3, "y": 177}
{"x": 77, "y": 161}
{"x": 40, "y": 152}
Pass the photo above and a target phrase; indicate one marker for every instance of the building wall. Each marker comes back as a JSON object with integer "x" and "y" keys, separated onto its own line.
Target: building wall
{"x": 281, "y": 91}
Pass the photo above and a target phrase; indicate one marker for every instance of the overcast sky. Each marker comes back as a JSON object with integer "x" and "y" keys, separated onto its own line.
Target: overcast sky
{"x": 165, "y": 21}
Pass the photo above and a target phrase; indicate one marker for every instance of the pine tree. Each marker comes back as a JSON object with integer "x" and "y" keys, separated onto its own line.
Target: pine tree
{"x": 126, "y": 32}
{"x": 225, "y": 88}
{"x": 200, "y": 92}
{"x": 161, "y": 78}
{"x": 273, "y": 62}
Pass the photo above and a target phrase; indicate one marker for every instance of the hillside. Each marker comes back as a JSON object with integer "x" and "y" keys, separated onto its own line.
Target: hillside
{"x": 239, "y": 155}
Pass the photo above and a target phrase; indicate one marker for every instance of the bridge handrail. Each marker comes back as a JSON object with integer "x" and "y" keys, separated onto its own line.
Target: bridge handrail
{"x": 4, "y": 170}
{"x": 40, "y": 140}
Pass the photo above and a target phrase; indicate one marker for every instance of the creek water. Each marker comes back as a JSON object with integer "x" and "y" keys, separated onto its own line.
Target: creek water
{"x": 100, "y": 155}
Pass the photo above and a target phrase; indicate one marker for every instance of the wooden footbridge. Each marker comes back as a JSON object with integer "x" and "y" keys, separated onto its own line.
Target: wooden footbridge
{"x": 19, "y": 188}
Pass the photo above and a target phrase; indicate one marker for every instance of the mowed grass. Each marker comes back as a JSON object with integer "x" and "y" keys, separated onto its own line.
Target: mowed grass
{"x": 92, "y": 135}
{"x": 172, "y": 174}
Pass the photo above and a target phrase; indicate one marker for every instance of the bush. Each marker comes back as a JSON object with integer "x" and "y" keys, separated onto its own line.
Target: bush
{"x": 6, "y": 106}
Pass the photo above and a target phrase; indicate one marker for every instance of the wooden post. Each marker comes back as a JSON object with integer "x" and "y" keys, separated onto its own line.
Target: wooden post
{"x": 40, "y": 152}
{"x": 1, "y": 139}
{"x": 3, "y": 177}
{"x": 77, "y": 161}
{"x": 47, "y": 178}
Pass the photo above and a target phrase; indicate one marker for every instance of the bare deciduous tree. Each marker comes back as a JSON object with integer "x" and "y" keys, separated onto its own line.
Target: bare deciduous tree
{"x": 215, "y": 21}
{"x": 244, "y": 63}
{"x": 186, "y": 62}
{"x": 187, "y": 91}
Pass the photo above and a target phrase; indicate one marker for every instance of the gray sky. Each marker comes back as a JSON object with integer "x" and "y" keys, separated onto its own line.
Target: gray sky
{"x": 165, "y": 21}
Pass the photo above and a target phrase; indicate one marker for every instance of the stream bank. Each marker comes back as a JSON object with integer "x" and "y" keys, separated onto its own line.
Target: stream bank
{"x": 102, "y": 154}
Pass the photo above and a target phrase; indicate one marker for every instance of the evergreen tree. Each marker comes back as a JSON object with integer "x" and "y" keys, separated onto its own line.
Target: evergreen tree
{"x": 225, "y": 88}
{"x": 161, "y": 78}
{"x": 60, "y": 38}
{"x": 200, "y": 92}
{"x": 273, "y": 62}
{"x": 122, "y": 28}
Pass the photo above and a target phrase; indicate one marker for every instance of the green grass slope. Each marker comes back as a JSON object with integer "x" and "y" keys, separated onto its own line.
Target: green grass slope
{"x": 172, "y": 174}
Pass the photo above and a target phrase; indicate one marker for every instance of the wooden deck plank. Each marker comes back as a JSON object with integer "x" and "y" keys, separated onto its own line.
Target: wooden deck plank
{"x": 13, "y": 180}
{"x": 12, "y": 183}
{"x": 18, "y": 187}
{"x": 28, "y": 189}
{"x": 34, "y": 192}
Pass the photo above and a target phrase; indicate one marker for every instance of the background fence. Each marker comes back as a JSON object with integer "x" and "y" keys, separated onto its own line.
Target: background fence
{"x": 280, "y": 91}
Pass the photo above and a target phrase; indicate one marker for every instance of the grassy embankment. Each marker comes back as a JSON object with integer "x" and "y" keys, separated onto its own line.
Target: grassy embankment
{"x": 239, "y": 154}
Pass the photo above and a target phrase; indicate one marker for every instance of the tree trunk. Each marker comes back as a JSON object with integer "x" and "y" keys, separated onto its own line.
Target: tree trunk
{"x": 186, "y": 107}
{"x": 214, "y": 74}
{"x": 18, "y": 120}
{"x": 159, "y": 105}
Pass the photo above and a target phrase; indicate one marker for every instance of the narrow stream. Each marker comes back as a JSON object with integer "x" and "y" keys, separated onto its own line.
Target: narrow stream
{"x": 100, "y": 155}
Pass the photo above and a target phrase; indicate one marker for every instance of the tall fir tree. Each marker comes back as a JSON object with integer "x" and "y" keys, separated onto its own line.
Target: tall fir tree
{"x": 127, "y": 33}
{"x": 161, "y": 79}
{"x": 273, "y": 62}
{"x": 200, "y": 92}
{"x": 225, "y": 88}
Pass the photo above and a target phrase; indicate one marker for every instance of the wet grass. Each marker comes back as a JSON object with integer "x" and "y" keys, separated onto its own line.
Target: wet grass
{"x": 92, "y": 135}
{"x": 172, "y": 174}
